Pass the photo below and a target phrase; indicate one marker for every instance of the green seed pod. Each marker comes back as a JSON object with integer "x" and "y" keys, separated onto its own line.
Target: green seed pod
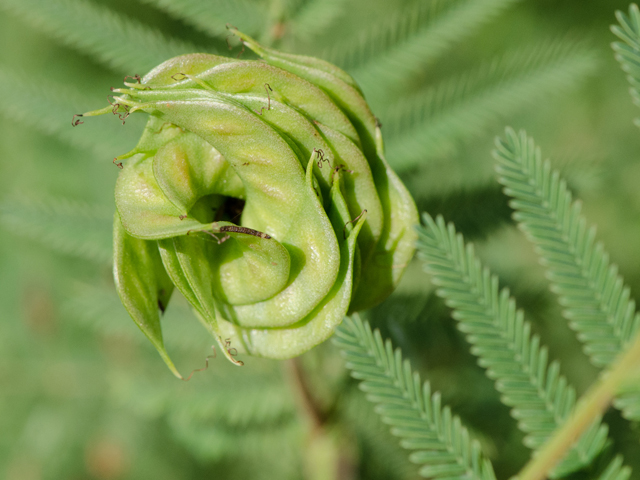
{"x": 260, "y": 191}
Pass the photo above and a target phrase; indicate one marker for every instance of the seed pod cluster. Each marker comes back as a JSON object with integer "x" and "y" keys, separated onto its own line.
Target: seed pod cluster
{"x": 260, "y": 191}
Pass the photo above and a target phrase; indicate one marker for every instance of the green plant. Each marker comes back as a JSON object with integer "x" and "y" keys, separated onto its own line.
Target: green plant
{"x": 214, "y": 160}
{"x": 251, "y": 422}
{"x": 540, "y": 397}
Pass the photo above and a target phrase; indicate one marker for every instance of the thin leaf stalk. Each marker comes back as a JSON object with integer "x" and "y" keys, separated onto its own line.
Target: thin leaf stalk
{"x": 591, "y": 406}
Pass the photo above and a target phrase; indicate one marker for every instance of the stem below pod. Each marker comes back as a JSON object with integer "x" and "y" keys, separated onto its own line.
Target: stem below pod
{"x": 324, "y": 458}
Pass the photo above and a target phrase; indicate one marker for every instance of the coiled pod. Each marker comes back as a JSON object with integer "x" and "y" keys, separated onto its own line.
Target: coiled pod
{"x": 259, "y": 189}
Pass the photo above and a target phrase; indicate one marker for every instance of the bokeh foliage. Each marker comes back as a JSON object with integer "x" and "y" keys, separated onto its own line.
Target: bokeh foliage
{"x": 83, "y": 396}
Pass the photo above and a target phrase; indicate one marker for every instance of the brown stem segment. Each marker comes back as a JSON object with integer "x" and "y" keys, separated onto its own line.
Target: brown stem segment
{"x": 324, "y": 459}
{"x": 308, "y": 404}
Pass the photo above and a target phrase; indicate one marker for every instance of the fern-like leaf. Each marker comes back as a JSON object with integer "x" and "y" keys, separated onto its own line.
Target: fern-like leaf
{"x": 123, "y": 44}
{"x": 72, "y": 228}
{"x": 313, "y": 17}
{"x": 443, "y": 446}
{"x": 274, "y": 449}
{"x": 384, "y": 57}
{"x": 49, "y": 107}
{"x": 211, "y": 17}
{"x": 628, "y": 51}
{"x": 540, "y": 397}
{"x": 594, "y": 297}
{"x": 428, "y": 123}
{"x": 100, "y": 309}
{"x": 219, "y": 395}
{"x": 595, "y": 300}
{"x": 628, "y": 398}
{"x": 616, "y": 470}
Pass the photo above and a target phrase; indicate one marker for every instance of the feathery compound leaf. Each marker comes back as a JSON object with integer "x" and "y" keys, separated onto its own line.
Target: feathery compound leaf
{"x": 628, "y": 398}
{"x": 48, "y": 107}
{"x": 540, "y": 397}
{"x": 100, "y": 309}
{"x": 211, "y": 17}
{"x": 314, "y": 16}
{"x": 429, "y": 123}
{"x": 628, "y": 53}
{"x": 616, "y": 471}
{"x": 121, "y": 43}
{"x": 376, "y": 40}
{"x": 387, "y": 55}
{"x": 257, "y": 398}
{"x": 61, "y": 225}
{"x": 596, "y": 302}
{"x": 442, "y": 445}
{"x": 274, "y": 449}
{"x": 255, "y": 402}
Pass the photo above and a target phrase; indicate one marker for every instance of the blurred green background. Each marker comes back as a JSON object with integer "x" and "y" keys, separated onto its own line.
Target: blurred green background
{"x": 82, "y": 394}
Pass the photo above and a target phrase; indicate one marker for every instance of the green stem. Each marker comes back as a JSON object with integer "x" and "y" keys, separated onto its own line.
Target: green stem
{"x": 592, "y": 404}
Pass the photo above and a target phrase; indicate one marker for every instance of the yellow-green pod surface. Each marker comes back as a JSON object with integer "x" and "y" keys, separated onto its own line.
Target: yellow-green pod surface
{"x": 260, "y": 191}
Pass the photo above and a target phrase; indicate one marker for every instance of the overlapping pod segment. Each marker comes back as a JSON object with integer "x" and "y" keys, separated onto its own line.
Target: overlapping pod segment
{"x": 259, "y": 189}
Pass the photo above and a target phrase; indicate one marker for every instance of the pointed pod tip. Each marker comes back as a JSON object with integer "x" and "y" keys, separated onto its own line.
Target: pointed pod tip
{"x": 167, "y": 360}
{"x": 95, "y": 113}
{"x": 228, "y": 351}
{"x": 250, "y": 42}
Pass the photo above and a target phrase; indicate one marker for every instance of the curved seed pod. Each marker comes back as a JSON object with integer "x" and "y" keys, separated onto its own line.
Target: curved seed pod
{"x": 279, "y": 200}
{"x": 319, "y": 325}
{"x": 260, "y": 191}
{"x": 190, "y": 64}
{"x": 142, "y": 284}
{"x": 292, "y": 62}
{"x": 339, "y": 152}
{"x": 251, "y": 77}
{"x": 395, "y": 247}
